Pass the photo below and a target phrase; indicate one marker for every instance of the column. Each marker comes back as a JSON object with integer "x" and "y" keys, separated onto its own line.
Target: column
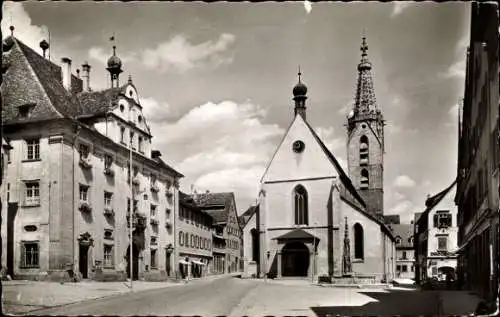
{"x": 279, "y": 264}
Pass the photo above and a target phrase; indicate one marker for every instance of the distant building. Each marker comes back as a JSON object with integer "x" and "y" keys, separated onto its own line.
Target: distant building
{"x": 313, "y": 220}
{"x": 392, "y": 219}
{"x": 72, "y": 188}
{"x": 436, "y": 237}
{"x": 226, "y": 231}
{"x": 405, "y": 253}
{"x": 478, "y": 157}
{"x": 194, "y": 238}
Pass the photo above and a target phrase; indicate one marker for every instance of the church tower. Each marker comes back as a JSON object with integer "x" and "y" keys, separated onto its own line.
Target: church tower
{"x": 365, "y": 139}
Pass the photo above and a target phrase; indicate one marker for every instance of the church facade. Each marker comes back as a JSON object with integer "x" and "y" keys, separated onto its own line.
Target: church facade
{"x": 312, "y": 219}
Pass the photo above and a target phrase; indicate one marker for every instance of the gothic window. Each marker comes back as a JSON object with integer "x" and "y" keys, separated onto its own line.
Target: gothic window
{"x": 365, "y": 180}
{"x": 363, "y": 150}
{"x": 358, "y": 242}
{"x": 300, "y": 204}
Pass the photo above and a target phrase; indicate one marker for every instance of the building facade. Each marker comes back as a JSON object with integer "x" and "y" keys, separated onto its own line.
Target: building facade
{"x": 405, "y": 253}
{"x": 311, "y": 219}
{"x": 194, "y": 239}
{"x": 81, "y": 165}
{"x": 226, "y": 231}
{"x": 436, "y": 234}
{"x": 477, "y": 194}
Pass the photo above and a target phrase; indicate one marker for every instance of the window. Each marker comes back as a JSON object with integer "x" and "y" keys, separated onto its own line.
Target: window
{"x": 358, "y": 242}
{"x": 29, "y": 255}
{"x": 33, "y": 149}
{"x": 153, "y": 178}
{"x": 108, "y": 199}
{"x": 398, "y": 268}
{"x": 442, "y": 219}
{"x": 398, "y": 240}
{"x": 132, "y": 140}
{"x": 122, "y": 134}
{"x": 84, "y": 151}
{"x": 108, "y": 256}
{"x": 108, "y": 161}
{"x": 153, "y": 211}
{"x": 140, "y": 145}
{"x": 363, "y": 150}
{"x": 136, "y": 206}
{"x": 181, "y": 238}
{"x": 32, "y": 193}
{"x": 128, "y": 205}
{"x": 404, "y": 255}
{"x": 365, "y": 180}
{"x": 84, "y": 193}
{"x": 300, "y": 201}
{"x": 413, "y": 268}
{"x": 153, "y": 258}
{"x": 442, "y": 243}
{"x": 404, "y": 268}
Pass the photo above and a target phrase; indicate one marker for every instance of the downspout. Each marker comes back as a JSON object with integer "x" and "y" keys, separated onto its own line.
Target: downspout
{"x": 174, "y": 229}
{"x": 75, "y": 136}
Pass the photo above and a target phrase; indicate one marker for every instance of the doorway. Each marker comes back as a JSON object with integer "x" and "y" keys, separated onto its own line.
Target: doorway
{"x": 84, "y": 260}
{"x": 11, "y": 216}
{"x": 167, "y": 263}
{"x": 295, "y": 259}
{"x": 135, "y": 262}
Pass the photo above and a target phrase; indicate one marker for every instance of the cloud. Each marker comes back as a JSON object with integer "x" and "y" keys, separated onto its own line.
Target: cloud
{"x": 327, "y": 136}
{"x": 457, "y": 69}
{"x": 404, "y": 181}
{"x": 28, "y": 33}
{"x": 406, "y": 210}
{"x": 181, "y": 55}
{"x": 307, "y": 6}
{"x": 399, "y": 7}
{"x": 101, "y": 55}
{"x": 219, "y": 146}
{"x": 155, "y": 111}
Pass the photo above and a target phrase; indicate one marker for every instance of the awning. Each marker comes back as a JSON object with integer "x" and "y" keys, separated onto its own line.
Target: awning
{"x": 183, "y": 262}
{"x": 198, "y": 262}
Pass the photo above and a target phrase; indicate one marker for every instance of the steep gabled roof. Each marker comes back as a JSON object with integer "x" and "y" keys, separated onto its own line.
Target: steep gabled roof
{"x": 187, "y": 201}
{"x": 405, "y": 232}
{"x": 97, "y": 102}
{"x": 216, "y": 205}
{"x": 432, "y": 201}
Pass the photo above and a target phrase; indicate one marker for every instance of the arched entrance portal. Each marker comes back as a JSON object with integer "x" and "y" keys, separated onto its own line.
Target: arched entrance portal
{"x": 295, "y": 259}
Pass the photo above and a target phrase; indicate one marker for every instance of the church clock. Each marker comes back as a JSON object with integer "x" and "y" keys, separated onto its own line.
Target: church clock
{"x": 298, "y": 146}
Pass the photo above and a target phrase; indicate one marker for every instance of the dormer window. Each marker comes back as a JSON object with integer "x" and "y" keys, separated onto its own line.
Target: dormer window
{"x": 139, "y": 118}
{"x": 122, "y": 134}
{"x": 122, "y": 108}
{"x": 25, "y": 110}
{"x": 84, "y": 151}
{"x": 140, "y": 145}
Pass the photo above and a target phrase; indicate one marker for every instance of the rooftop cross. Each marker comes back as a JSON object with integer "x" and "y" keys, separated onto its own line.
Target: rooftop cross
{"x": 299, "y": 73}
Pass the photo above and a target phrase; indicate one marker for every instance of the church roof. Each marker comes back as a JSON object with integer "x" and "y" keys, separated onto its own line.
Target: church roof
{"x": 217, "y": 205}
{"x": 296, "y": 234}
{"x": 432, "y": 201}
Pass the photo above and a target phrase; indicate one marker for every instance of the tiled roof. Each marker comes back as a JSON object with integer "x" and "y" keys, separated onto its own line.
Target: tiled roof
{"x": 162, "y": 164}
{"x": 97, "y": 102}
{"x": 432, "y": 201}
{"x": 393, "y": 219}
{"x": 405, "y": 232}
{"x": 187, "y": 201}
{"x": 243, "y": 219}
{"x": 216, "y": 205}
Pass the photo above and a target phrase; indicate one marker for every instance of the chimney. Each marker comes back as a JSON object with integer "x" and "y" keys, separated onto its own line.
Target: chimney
{"x": 66, "y": 73}
{"x": 86, "y": 76}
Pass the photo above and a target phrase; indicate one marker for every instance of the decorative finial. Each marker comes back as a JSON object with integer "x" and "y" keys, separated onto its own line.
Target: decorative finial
{"x": 299, "y": 73}
{"x": 114, "y": 50}
{"x": 129, "y": 79}
{"x": 11, "y": 30}
{"x": 364, "y": 46}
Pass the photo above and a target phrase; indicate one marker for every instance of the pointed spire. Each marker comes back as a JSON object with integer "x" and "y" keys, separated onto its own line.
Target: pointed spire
{"x": 365, "y": 101}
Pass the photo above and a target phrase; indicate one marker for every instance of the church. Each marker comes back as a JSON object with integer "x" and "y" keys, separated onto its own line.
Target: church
{"x": 312, "y": 220}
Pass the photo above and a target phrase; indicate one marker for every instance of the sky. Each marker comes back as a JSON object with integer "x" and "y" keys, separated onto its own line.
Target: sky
{"x": 215, "y": 80}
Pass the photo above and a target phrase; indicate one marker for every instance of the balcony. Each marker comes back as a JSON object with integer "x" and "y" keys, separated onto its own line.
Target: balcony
{"x": 168, "y": 224}
{"x": 109, "y": 212}
{"x": 108, "y": 171}
{"x": 155, "y": 188}
{"x": 138, "y": 221}
{"x": 219, "y": 248}
{"x": 85, "y": 162}
{"x": 154, "y": 221}
{"x": 218, "y": 235}
{"x": 84, "y": 206}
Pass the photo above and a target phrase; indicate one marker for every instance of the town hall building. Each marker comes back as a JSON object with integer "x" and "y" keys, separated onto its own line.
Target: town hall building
{"x": 312, "y": 219}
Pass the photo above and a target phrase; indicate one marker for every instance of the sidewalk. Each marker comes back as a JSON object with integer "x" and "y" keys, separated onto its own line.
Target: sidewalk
{"x": 21, "y": 296}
